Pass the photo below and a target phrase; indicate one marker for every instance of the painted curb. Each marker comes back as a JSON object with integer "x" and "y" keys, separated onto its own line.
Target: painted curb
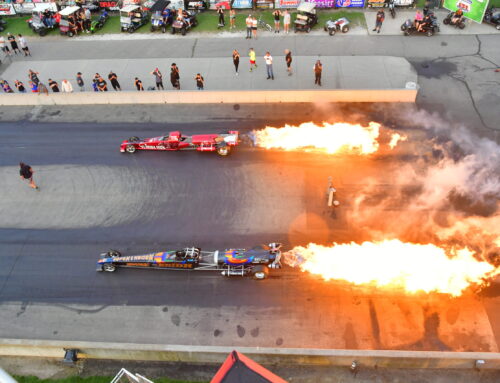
{"x": 216, "y": 355}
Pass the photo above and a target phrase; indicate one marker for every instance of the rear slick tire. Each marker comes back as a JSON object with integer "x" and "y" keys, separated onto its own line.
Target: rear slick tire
{"x": 260, "y": 272}
{"x": 223, "y": 151}
{"x": 130, "y": 148}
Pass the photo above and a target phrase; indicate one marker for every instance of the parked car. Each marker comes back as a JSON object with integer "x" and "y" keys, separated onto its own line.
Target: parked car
{"x": 132, "y": 17}
{"x": 306, "y": 17}
{"x": 184, "y": 22}
{"x": 161, "y": 16}
{"x": 339, "y": 25}
{"x": 429, "y": 27}
{"x": 492, "y": 16}
{"x": 95, "y": 25}
{"x": 37, "y": 22}
{"x": 67, "y": 25}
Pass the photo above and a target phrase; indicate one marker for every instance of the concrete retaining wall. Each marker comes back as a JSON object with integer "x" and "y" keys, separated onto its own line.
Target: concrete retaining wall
{"x": 285, "y": 356}
{"x": 211, "y": 97}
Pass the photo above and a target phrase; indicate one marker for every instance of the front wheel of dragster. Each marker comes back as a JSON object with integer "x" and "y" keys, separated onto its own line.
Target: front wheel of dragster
{"x": 223, "y": 150}
{"x": 130, "y": 148}
{"x": 108, "y": 267}
{"x": 260, "y": 272}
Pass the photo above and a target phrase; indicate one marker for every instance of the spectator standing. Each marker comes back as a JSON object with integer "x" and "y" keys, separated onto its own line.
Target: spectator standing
{"x": 286, "y": 22}
{"x": 249, "y": 23}
{"x": 138, "y": 84}
{"x": 66, "y": 86}
{"x": 232, "y": 19}
{"x": 4, "y": 46}
{"x": 24, "y": 45}
{"x": 13, "y": 43}
{"x": 113, "y": 78}
{"x": 102, "y": 85}
{"x": 236, "y": 60}
{"x": 200, "y": 81}
{"x": 32, "y": 75}
{"x": 318, "y": 68}
{"x": 175, "y": 76}
{"x": 253, "y": 62}
{"x": 379, "y": 19}
{"x": 220, "y": 12}
{"x": 42, "y": 89}
{"x": 88, "y": 20}
{"x": 254, "y": 27}
{"x": 6, "y": 87}
{"x": 158, "y": 79}
{"x": 20, "y": 86}
{"x": 33, "y": 87}
{"x": 53, "y": 85}
{"x": 276, "y": 16}
{"x": 288, "y": 60}
{"x": 269, "y": 65}
{"x": 80, "y": 82}
{"x": 26, "y": 173}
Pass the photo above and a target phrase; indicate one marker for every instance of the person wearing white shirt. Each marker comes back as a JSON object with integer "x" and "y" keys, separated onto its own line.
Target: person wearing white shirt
{"x": 269, "y": 65}
{"x": 249, "y": 23}
{"x": 286, "y": 21}
{"x": 66, "y": 86}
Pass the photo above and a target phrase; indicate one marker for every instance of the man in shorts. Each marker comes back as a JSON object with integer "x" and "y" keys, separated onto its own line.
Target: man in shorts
{"x": 26, "y": 173}
{"x": 252, "y": 56}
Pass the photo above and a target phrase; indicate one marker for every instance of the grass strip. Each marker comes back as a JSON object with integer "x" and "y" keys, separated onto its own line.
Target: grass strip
{"x": 207, "y": 22}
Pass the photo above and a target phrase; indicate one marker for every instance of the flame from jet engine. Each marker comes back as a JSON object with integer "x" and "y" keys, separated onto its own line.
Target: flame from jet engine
{"x": 394, "y": 264}
{"x": 329, "y": 138}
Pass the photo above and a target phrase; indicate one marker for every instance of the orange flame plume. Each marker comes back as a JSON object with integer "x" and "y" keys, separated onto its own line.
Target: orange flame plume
{"x": 329, "y": 138}
{"x": 394, "y": 264}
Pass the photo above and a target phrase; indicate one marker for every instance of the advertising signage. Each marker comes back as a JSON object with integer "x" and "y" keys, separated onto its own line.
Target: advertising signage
{"x": 350, "y": 3}
{"x": 242, "y": 4}
{"x": 338, "y": 3}
{"x": 473, "y": 9}
{"x": 7, "y": 9}
{"x": 287, "y": 3}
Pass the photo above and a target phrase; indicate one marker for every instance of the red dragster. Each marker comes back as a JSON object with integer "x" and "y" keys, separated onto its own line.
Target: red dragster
{"x": 220, "y": 143}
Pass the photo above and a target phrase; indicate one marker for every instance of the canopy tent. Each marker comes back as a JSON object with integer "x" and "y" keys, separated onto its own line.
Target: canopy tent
{"x": 237, "y": 368}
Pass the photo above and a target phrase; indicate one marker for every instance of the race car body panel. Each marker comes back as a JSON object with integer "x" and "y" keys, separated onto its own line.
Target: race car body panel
{"x": 240, "y": 262}
{"x": 174, "y": 141}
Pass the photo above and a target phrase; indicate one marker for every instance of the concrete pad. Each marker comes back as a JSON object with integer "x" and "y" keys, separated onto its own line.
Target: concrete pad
{"x": 339, "y": 72}
{"x": 392, "y": 26}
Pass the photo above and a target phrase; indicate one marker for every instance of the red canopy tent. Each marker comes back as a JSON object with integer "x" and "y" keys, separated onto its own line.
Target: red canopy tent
{"x": 237, "y": 368}
{"x": 223, "y": 4}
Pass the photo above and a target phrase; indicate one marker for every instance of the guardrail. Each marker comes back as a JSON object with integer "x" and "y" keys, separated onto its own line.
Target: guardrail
{"x": 211, "y": 97}
{"x": 285, "y": 356}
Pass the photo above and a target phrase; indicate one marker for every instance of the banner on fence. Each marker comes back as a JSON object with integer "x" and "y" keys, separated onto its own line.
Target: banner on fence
{"x": 242, "y": 4}
{"x": 473, "y": 9}
{"x": 287, "y": 3}
{"x": 7, "y": 9}
{"x": 350, "y": 3}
